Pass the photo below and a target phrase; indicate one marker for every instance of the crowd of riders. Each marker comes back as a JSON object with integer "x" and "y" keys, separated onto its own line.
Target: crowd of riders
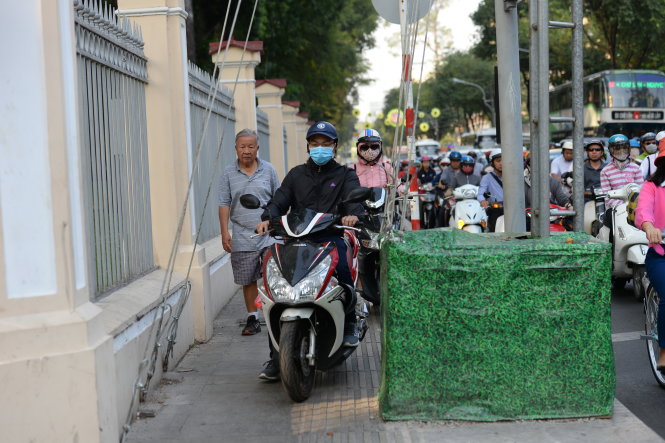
{"x": 321, "y": 182}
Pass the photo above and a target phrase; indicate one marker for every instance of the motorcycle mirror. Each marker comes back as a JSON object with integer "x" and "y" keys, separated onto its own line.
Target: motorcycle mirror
{"x": 358, "y": 194}
{"x": 487, "y": 195}
{"x": 250, "y": 201}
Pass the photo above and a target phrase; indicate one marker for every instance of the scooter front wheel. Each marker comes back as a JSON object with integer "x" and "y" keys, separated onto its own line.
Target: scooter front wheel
{"x": 296, "y": 373}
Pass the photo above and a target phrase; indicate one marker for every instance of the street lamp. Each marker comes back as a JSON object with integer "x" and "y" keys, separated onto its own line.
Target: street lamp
{"x": 488, "y": 102}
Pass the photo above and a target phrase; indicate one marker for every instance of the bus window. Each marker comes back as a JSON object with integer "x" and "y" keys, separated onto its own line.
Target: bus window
{"x": 636, "y": 90}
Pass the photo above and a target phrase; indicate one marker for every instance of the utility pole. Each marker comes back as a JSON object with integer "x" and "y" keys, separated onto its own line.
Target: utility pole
{"x": 510, "y": 98}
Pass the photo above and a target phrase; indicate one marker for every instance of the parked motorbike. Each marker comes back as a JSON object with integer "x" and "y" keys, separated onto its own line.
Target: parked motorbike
{"x": 368, "y": 258}
{"x": 303, "y": 300}
{"x": 629, "y": 244}
{"x": 467, "y": 214}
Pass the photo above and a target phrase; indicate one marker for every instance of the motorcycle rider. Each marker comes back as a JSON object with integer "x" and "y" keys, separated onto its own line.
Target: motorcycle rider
{"x": 492, "y": 183}
{"x": 620, "y": 171}
{"x": 564, "y": 162}
{"x": 650, "y": 217}
{"x": 558, "y": 194}
{"x": 647, "y": 165}
{"x": 648, "y": 145}
{"x": 595, "y": 151}
{"x": 425, "y": 173}
{"x": 466, "y": 175}
{"x": 371, "y": 171}
{"x": 445, "y": 179}
{"x": 320, "y": 184}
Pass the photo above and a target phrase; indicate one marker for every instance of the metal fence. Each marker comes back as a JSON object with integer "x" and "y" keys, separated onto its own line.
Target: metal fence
{"x": 112, "y": 76}
{"x": 264, "y": 134}
{"x": 221, "y": 129}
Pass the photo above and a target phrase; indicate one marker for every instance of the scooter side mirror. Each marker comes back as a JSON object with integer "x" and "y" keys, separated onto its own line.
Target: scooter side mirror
{"x": 358, "y": 194}
{"x": 487, "y": 195}
{"x": 250, "y": 201}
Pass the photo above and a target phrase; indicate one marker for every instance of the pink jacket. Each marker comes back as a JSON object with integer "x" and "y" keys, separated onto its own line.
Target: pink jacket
{"x": 651, "y": 208}
{"x": 373, "y": 176}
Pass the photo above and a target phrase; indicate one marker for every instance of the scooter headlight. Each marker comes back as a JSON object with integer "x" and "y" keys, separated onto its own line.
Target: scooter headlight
{"x": 307, "y": 288}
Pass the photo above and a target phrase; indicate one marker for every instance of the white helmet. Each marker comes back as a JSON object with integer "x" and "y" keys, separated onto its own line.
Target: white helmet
{"x": 660, "y": 135}
{"x": 494, "y": 153}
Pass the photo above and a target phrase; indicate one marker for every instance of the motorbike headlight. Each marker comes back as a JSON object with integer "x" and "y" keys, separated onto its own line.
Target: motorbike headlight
{"x": 280, "y": 289}
{"x": 307, "y": 288}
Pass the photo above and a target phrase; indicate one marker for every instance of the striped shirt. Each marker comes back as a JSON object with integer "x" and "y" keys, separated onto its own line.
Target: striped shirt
{"x": 373, "y": 176}
{"x": 611, "y": 177}
{"x": 233, "y": 183}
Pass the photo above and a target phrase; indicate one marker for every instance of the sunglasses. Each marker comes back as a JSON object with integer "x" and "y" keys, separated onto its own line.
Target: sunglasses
{"x": 372, "y": 147}
{"x": 595, "y": 150}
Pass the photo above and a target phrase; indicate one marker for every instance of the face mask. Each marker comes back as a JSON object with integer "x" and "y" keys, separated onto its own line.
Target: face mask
{"x": 321, "y": 155}
{"x": 620, "y": 156}
{"x": 651, "y": 148}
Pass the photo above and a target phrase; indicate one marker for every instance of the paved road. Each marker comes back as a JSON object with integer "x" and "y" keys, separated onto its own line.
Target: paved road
{"x": 636, "y": 387}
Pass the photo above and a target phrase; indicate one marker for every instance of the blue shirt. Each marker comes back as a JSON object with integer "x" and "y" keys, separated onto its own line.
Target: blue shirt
{"x": 489, "y": 184}
{"x": 233, "y": 183}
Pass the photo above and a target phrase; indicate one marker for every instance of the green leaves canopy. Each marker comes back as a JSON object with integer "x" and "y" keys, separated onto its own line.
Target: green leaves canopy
{"x": 316, "y": 45}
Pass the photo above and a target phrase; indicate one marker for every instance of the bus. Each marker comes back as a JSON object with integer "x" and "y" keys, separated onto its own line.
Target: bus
{"x": 630, "y": 102}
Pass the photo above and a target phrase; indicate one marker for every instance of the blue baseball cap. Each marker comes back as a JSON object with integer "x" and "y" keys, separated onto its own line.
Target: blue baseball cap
{"x": 322, "y": 128}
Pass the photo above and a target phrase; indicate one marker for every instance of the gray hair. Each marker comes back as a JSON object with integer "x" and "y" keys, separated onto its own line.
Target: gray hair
{"x": 247, "y": 133}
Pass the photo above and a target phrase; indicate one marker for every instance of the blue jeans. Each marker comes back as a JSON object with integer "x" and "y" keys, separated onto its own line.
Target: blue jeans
{"x": 655, "y": 266}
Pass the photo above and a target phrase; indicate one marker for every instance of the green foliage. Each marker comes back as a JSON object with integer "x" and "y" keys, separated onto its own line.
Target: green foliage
{"x": 489, "y": 327}
{"x": 617, "y": 35}
{"x": 316, "y": 45}
{"x": 459, "y": 102}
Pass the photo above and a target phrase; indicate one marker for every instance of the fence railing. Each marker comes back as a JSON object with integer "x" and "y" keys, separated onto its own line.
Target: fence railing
{"x": 263, "y": 129}
{"x": 221, "y": 129}
{"x": 112, "y": 114}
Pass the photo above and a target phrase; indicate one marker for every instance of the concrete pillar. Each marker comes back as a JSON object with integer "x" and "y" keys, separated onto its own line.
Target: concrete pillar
{"x": 269, "y": 96}
{"x": 295, "y": 140}
{"x": 56, "y": 362}
{"x": 233, "y": 64}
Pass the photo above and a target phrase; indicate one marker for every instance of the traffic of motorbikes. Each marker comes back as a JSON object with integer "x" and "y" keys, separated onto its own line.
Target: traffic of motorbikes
{"x": 305, "y": 304}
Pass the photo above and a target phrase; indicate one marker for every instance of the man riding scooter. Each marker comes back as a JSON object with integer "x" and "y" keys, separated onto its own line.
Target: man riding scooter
{"x": 492, "y": 185}
{"x": 320, "y": 184}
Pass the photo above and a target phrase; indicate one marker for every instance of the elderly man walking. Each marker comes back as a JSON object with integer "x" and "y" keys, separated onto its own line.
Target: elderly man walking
{"x": 247, "y": 175}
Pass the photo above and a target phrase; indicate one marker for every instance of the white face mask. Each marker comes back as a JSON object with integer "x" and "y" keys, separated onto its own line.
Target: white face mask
{"x": 620, "y": 156}
{"x": 651, "y": 148}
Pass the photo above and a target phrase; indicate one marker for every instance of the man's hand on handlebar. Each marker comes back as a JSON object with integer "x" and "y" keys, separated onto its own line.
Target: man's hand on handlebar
{"x": 349, "y": 220}
{"x": 262, "y": 228}
{"x": 484, "y": 204}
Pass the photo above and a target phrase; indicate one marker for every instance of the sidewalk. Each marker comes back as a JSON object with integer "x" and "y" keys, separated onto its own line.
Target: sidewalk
{"x": 215, "y": 395}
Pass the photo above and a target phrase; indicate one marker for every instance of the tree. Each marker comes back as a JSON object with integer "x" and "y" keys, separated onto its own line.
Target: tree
{"x": 317, "y": 48}
{"x": 460, "y": 104}
{"x": 626, "y": 32}
{"x": 618, "y": 34}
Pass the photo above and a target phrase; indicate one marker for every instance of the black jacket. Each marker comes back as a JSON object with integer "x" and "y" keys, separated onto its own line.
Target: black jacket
{"x": 315, "y": 187}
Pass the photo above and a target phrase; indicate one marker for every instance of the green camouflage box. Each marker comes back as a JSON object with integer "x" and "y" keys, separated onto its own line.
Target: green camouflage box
{"x": 492, "y": 327}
